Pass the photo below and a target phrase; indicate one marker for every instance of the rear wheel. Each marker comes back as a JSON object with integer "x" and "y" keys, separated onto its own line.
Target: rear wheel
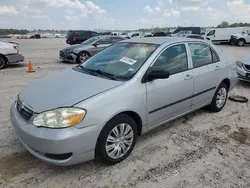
{"x": 220, "y": 98}
{"x": 82, "y": 57}
{"x": 117, "y": 139}
{"x": 241, "y": 42}
{"x": 3, "y": 62}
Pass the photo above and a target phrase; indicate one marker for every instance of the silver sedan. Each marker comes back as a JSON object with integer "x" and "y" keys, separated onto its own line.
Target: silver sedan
{"x": 98, "y": 108}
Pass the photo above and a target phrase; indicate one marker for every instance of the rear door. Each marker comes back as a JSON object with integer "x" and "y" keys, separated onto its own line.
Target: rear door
{"x": 207, "y": 72}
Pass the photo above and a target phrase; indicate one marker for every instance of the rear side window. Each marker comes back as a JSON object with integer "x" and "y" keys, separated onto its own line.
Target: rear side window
{"x": 173, "y": 60}
{"x": 202, "y": 55}
{"x": 106, "y": 40}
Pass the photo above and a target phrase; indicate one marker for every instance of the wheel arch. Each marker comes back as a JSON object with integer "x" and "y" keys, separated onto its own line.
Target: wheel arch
{"x": 227, "y": 82}
{"x": 4, "y": 57}
{"x": 242, "y": 39}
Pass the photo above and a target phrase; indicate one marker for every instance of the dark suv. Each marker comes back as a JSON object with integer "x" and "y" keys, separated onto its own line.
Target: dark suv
{"x": 79, "y": 36}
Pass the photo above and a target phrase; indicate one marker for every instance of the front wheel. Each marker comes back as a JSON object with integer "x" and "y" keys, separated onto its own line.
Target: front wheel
{"x": 82, "y": 57}
{"x": 220, "y": 98}
{"x": 117, "y": 139}
{"x": 241, "y": 42}
{"x": 3, "y": 62}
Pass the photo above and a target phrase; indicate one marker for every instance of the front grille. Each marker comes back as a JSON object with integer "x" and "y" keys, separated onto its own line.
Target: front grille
{"x": 247, "y": 67}
{"x": 23, "y": 110}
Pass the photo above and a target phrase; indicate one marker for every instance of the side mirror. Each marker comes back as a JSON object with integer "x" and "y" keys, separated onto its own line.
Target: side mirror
{"x": 96, "y": 44}
{"x": 157, "y": 74}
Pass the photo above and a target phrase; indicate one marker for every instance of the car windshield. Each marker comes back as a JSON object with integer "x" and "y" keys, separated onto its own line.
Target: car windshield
{"x": 121, "y": 60}
{"x": 90, "y": 41}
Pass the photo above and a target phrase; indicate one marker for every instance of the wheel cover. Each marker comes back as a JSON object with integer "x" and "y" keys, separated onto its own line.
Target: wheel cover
{"x": 119, "y": 141}
{"x": 221, "y": 97}
{"x": 83, "y": 57}
{"x": 2, "y": 62}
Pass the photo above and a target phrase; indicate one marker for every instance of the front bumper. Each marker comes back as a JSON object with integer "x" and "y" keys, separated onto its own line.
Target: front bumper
{"x": 68, "y": 57}
{"x": 243, "y": 74}
{"x": 15, "y": 58}
{"x": 61, "y": 147}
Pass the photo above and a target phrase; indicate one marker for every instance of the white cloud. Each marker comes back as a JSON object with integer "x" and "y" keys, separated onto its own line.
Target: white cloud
{"x": 148, "y": 9}
{"x": 239, "y": 10}
{"x": 8, "y": 10}
{"x": 190, "y": 8}
{"x": 157, "y": 9}
{"x": 171, "y": 13}
{"x": 151, "y": 10}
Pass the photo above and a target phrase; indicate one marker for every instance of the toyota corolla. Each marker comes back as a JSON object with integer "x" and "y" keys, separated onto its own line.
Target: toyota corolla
{"x": 98, "y": 108}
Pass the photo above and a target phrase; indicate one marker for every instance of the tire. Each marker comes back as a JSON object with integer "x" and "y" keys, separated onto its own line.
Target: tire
{"x": 81, "y": 56}
{"x": 3, "y": 62}
{"x": 214, "y": 107}
{"x": 241, "y": 42}
{"x": 102, "y": 151}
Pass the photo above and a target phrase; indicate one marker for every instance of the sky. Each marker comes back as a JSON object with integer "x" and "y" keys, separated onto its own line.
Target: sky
{"x": 120, "y": 14}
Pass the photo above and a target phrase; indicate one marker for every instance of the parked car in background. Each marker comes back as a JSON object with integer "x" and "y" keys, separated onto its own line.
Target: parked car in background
{"x": 186, "y": 30}
{"x": 79, "y": 36}
{"x": 223, "y": 35}
{"x": 243, "y": 69}
{"x": 159, "y": 34}
{"x": 194, "y": 36}
{"x": 9, "y": 53}
{"x": 98, "y": 108}
{"x": 241, "y": 39}
{"x": 135, "y": 34}
{"x": 79, "y": 53}
{"x": 147, "y": 34}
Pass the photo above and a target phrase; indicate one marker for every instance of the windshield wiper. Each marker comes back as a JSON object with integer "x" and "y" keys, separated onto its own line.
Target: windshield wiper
{"x": 108, "y": 75}
{"x": 95, "y": 72}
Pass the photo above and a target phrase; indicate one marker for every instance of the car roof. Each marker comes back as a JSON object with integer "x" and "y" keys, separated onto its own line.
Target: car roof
{"x": 159, "y": 40}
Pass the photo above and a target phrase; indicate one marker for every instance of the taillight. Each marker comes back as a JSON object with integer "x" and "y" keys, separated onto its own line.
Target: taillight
{"x": 74, "y": 38}
{"x": 15, "y": 47}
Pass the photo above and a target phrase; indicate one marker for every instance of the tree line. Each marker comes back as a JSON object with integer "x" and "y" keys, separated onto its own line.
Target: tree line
{"x": 225, "y": 24}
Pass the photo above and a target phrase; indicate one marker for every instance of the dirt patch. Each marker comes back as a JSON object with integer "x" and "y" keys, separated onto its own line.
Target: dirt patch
{"x": 16, "y": 164}
{"x": 242, "y": 136}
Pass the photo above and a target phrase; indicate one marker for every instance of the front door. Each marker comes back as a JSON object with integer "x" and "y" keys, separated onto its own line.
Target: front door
{"x": 207, "y": 73}
{"x": 167, "y": 98}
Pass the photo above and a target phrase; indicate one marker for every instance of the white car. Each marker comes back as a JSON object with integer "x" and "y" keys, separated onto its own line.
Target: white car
{"x": 241, "y": 39}
{"x": 9, "y": 53}
{"x": 243, "y": 69}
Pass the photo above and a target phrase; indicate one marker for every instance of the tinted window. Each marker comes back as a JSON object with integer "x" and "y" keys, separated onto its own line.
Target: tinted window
{"x": 173, "y": 59}
{"x": 90, "y": 41}
{"x": 211, "y": 33}
{"x": 116, "y": 39}
{"x": 202, "y": 55}
{"x": 106, "y": 40}
{"x": 94, "y": 34}
{"x": 135, "y": 35}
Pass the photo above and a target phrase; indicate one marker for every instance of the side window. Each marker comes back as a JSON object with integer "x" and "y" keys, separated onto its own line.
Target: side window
{"x": 211, "y": 33}
{"x": 94, "y": 34}
{"x": 215, "y": 57}
{"x": 202, "y": 55}
{"x": 106, "y": 40}
{"x": 116, "y": 39}
{"x": 173, "y": 60}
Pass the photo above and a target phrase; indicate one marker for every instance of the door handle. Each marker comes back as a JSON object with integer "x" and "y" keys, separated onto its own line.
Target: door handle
{"x": 188, "y": 76}
{"x": 217, "y": 67}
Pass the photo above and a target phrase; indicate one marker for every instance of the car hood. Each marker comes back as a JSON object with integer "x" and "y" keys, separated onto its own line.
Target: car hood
{"x": 246, "y": 60}
{"x": 63, "y": 89}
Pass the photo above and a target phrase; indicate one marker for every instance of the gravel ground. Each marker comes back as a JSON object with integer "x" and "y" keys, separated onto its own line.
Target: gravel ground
{"x": 199, "y": 150}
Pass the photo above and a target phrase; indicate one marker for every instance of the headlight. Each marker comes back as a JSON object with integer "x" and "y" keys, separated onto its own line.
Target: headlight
{"x": 60, "y": 118}
{"x": 239, "y": 63}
